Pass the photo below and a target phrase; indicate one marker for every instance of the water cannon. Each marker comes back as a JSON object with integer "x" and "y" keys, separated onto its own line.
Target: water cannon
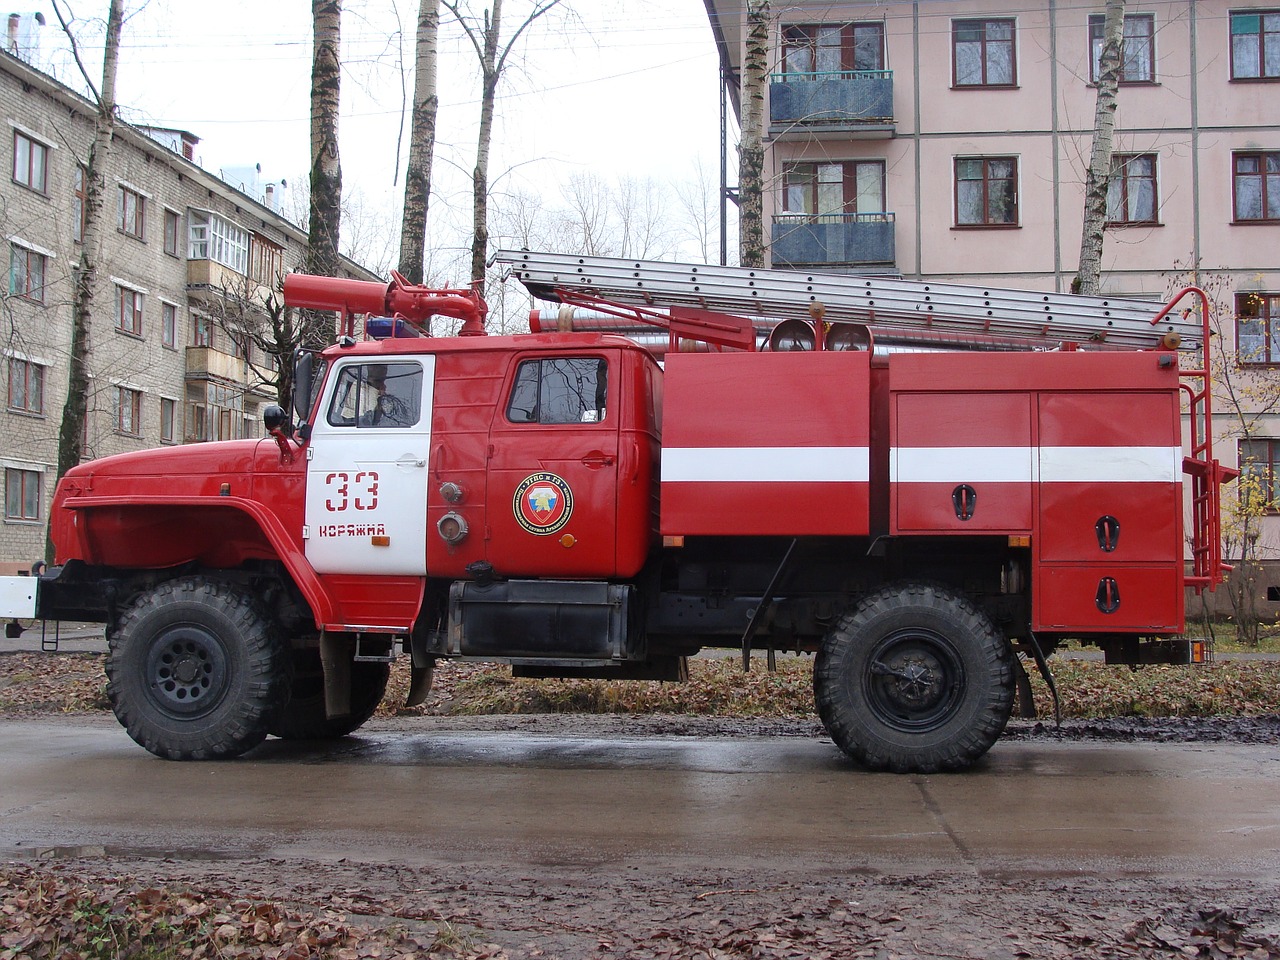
{"x": 399, "y": 299}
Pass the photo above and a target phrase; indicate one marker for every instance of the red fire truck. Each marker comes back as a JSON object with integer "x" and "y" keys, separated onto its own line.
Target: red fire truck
{"x": 925, "y": 485}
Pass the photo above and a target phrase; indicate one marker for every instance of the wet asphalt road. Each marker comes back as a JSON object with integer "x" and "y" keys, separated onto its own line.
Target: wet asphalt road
{"x": 425, "y": 798}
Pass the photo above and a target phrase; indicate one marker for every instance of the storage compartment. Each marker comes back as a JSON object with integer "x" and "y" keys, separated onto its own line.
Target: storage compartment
{"x": 539, "y": 621}
{"x": 1100, "y": 597}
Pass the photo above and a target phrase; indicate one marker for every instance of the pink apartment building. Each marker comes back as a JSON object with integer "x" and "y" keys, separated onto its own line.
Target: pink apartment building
{"x": 948, "y": 139}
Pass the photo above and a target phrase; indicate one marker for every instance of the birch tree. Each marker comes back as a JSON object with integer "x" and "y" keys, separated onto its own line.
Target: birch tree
{"x": 755, "y": 71}
{"x": 485, "y": 34}
{"x": 1088, "y": 279}
{"x": 326, "y": 171}
{"x": 422, "y": 140}
{"x": 71, "y": 430}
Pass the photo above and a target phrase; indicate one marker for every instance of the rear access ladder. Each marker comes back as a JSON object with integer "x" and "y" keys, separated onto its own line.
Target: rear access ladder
{"x": 715, "y": 304}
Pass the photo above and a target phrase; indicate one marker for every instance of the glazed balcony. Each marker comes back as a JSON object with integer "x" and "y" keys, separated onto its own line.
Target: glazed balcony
{"x": 847, "y": 104}
{"x": 836, "y": 239}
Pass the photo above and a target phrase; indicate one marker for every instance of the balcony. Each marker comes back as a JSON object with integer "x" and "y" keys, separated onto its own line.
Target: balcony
{"x": 836, "y": 239}
{"x": 212, "y": 282}
{"x": 845, "y": 105}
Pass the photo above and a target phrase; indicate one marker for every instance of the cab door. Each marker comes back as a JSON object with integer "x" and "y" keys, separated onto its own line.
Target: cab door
{"x": 366, "y": 499}
{"x": 553, "y": 468}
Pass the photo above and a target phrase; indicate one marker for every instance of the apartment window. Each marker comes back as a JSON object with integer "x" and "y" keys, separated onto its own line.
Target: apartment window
{"x": 172, "y": 224}
{"x": 79, "y": 197}
{"x": 1256, "y": 186}
{"x": 1137, "y": 50}
{"x": 1255, "y": 45}
{"x": 26, "y": 273}
{"x": 1258, "y": 460}
{"x": 1131, "y": 191}
{"x": 30, "y": 162}
{"x": 831, "y": 49}
{"x": 266, "y": 261}
{"x": 201, "y": 331}
{"x": 168, "y": 417}
{"x": 130, "y": 214}
{"x": 982, "y": 53}
{"x": 129, "y": 311}
{"x": 168, "y": 325}
{"x": 1258, "y": 327}
{"x": 129, "y": 411}
{"x": 212, "y": 238}
{"x": 986, "y": 191}
{"x": 833, "y": 190}
{"x": 21, "y": 494}
{"x": 26, "y": 386}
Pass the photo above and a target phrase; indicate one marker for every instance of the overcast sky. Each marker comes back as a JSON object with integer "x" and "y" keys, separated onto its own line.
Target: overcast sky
{"x": 612, "y": 87}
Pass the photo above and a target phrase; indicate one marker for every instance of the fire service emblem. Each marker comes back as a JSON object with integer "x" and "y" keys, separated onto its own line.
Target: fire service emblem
{"x": 543, "y": 503}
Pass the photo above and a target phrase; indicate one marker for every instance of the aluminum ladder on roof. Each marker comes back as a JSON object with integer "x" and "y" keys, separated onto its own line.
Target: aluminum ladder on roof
{"x": 886, "y": 304}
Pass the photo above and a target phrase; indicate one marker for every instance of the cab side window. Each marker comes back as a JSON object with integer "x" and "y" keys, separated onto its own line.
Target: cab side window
{"x": 559, "y": 390}
{"x": 377, "y": 395}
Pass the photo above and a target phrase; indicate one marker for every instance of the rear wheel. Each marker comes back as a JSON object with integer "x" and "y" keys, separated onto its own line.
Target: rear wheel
{"x": 195, "y": 671}
{"x": 915, "y": 679}
{"x": 303, "y": 716}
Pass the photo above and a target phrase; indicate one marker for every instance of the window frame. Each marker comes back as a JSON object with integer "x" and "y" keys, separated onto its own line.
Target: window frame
{"x": 986, "y": 223}
{"x": 536, "y": 413}
{"x": 30, "y": 291}
{"x": 28, "y": 176}
{"x": 79, "y": 202}
{"x": 807, "y": 36}
{"x": 1264, "y": 159}
{"x": 28, "y": 479}
{"x": 133, "y": 312}
{"x": 29, "y": 376}
{"x": 130, "y": 425}
{"x": 1097, "y": 24}
{"x": 213, "y": 237}
{"x": 984, "y": 43}
{"x": 134, "y": 225}
{"x": 172, "y": 231}
{"x": 168, "y": 420}
{"x": 1262, "y": 34}
{"x": 1120, "y": 174}
{"x": 1261, "y": 308}
{"x": 794, "y": 176}
{"x": 1270, "y": 480}
{"x": 168, "y": 325}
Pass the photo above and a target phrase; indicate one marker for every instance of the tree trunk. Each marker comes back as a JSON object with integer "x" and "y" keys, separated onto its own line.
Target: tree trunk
{"x": 755, "y": 72}
{"x": 480, "y": 175}
{"x": 1088, "y": 279}
{"x": 326, "y": 172}
{"x": 75, "y": 410}
{"x": 422, "y": 141}
{"x": 493, "y": 60}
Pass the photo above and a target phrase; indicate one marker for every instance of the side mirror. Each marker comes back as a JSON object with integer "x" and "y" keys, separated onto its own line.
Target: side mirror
{"x": 303, "y": 371}
{"x": 274, "y": 418}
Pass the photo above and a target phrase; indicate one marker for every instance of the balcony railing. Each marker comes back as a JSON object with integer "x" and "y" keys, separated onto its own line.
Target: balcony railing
{"x": 858, "y": 102}
{"x": 835, "y": 239}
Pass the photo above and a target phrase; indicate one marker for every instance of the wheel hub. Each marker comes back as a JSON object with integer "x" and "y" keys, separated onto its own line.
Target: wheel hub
{"x": 187, "y": 671}
{"x": 915, "y": 680}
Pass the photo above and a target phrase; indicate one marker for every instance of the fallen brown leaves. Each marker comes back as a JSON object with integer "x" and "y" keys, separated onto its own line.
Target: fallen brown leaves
{"x": 49, "y": 916}
{"x": 35, "y": 683}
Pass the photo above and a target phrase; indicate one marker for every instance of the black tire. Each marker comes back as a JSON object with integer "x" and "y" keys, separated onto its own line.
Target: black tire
{"x": 195, "y": 671}
{"x": 915, "y": 680}
{"x": 303, "y": 716}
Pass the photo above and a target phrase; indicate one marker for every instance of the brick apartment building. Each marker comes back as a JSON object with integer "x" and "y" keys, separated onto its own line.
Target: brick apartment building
{"x": 183, "y": 249}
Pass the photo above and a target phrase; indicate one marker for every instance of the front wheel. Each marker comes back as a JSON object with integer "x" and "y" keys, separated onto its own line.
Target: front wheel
{"x": 915, "y": 680}
{"x": 195, "y": 671}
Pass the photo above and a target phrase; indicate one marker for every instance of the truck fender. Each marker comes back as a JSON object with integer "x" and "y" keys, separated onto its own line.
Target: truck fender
{"x": 313, "y": 590}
